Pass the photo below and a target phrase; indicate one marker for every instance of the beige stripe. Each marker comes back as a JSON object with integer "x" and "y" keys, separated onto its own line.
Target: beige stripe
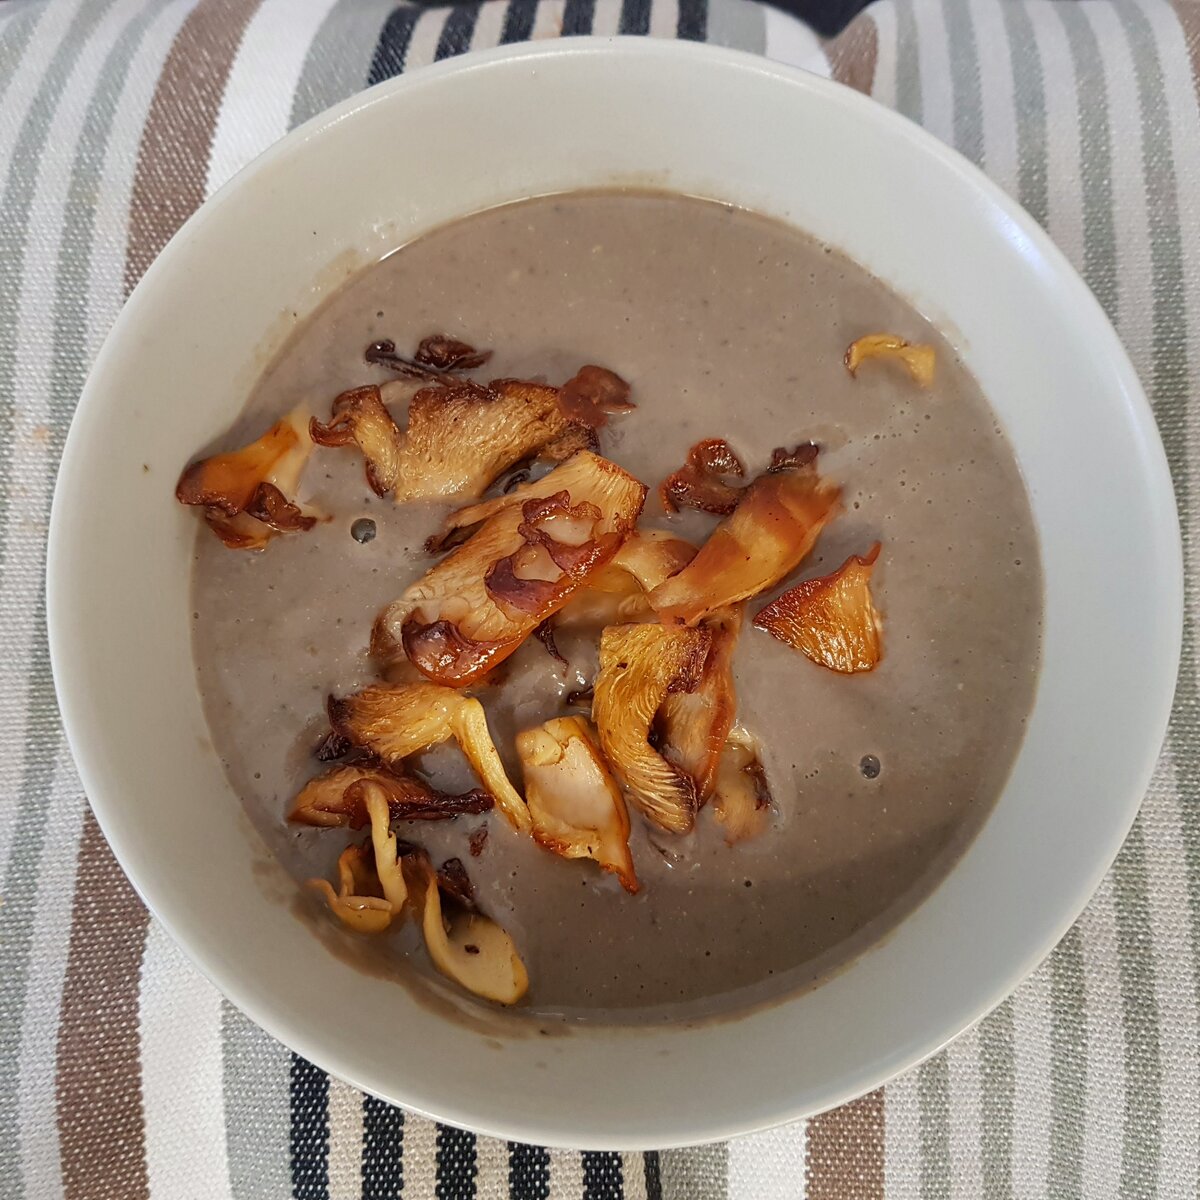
{"x": 854, "y": 53}
{"x": 937, "y": 79}
{"x": 883, "y": 88}
{"x": 664, "y": 20}
{"x": 425, "y": 35}
{"x": 902, "y": 1138}
{"x": 548, "y": 21}
{"x": 99, "y": 1078}
{"x": 173, "y": 158}
{"x": 767, "y": 1166}
{"x": 633, "y": 1171}
{"x": 566, "y": 1174}
{"x": 420, "y": 1158}
{"x": 964, "y": 1111}
{"x": 489, "y": 28}
{"x": 1031, "y": 1084}
{"x": 606, "y": 18}
{"x": 491, "y": 1161}
{"x": 845, "y": 1151}
{"x": 345, "y": 1141}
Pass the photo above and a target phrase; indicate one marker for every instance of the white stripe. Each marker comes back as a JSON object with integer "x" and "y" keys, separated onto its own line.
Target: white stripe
{"x": 791, "y": 41}
{"x": 56, "y": 19}
{"x": 1104, "y": 1092}
{"x": 883, "y": 13}
{"x": 183, "y": 1099}
{"x": 547, "y": 23}
{"x": 31, "y": 464}
{"x": 256, "y": 107}
{"x": 996, "y": 93}
{"x": 106, "y": 277}
{"x": 768, "y": 1166}
{"x": 345, "y": 1141}
{"x": 902, "y": 1138}
{"x": 933, "y": 64}
{"x": 37, "y": 1131}
{"x": 664, "y": 23}
{"x": 426, "y": 34}
{"x": 965, "y": 1093}
{"x": 420, "y": 1158}
{"x": 1064, "y": 199}
{"x": 1031, "y": 1084}
{"x": 566, "y": 1174}
{"x": 489, "y": 28}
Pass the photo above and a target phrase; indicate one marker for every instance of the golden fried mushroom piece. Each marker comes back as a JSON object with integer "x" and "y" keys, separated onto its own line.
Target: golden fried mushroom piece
{"x": 532, "y": 553}
{"x": 244, "y": 493}
{"x": 618, "y": 592}
{"x": 574, "y": 802}
{"x": 639, "y": 666}
{"x": 832, "y": 620}
{"x": 464, "y": 945}
{"x": 337, "y": 797}
{"x": 769, "y": 533}
{"x": 919, "y": 359}
{"x": 460, "y": 435}
{"x": 694, "y": 725}
{"x": 371, "y": 887}
{"x": 703, "y": 482}
{"x": 742, "y": 799}
{"x": 394, "y": 721}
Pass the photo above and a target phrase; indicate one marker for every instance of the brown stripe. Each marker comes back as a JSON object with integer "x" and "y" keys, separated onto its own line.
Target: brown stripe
{"x": 844, "y": 1157}
{"x": 852, "y": 54}
{"x": 1188, "y": 13}
{"x": 173, "y": 157}
{"x": 99, "y": 1085}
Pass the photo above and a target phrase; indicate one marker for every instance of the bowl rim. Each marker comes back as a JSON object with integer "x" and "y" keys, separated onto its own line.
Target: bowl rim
{"x": 72, "y": 695}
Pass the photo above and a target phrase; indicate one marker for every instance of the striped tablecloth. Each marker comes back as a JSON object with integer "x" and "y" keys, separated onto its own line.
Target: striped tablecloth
{"x": 122, "y": 1073}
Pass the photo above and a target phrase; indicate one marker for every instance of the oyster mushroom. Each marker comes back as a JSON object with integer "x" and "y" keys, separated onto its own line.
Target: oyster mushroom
{"x": 918, "y": 359}
{"x": 831, "y": 620}
{"x": 463, "y": 944}
{"x": 693, "y": 726}
{"x": 244, "y": 493}
{"x": 394, "y": 721}
{"x": 535, "y": 549}
{"x": 618, "y": 592}
{"x": 769, "y": 533}
{"x": 459, "y": 437}
{"x": 640, "y": 665}
{"x": 703, "y": 482}
{"x": 574, "y": 802}
{"x": 337, "y": 797}
{"x": 742, "y": 799}
{"x": 371, "y": 886}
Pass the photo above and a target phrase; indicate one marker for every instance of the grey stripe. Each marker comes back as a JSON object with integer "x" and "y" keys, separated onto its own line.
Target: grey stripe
{"x": 1029, "y": 99}
{"x": 42, "y": 731}
{"x": 13, "y": 40}
{"x": 933, "y": 1090}
{"x": 908, "y": 63}
{"x": 1169, "y": 394}
{"x": 739, "y": 24}
{"x": 701, "y": 1173}
{"x": 1095, "y": 158}
{"x": 1068, "y": 1067}
{"x": 964, "y": 79}
{"x": 257, "y": 1088}
{"x": 996, "y": 1101}
{"x": 339, "y": 58}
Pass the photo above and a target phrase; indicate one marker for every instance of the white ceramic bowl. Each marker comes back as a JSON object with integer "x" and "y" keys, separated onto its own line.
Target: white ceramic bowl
{"x": 390, "y": 164}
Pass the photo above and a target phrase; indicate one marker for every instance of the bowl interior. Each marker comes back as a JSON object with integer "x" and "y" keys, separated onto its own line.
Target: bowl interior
{"x": 211, "y": 312}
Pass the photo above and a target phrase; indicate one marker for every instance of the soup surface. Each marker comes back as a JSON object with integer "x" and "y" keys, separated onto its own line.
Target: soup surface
{"x": 726, "y": 324}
